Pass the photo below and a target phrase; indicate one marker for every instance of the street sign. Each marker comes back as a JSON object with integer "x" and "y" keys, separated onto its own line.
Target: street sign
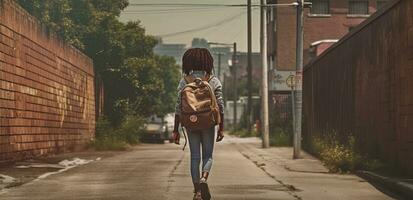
{"x": 290, "y": 81}
{"x": 279, "y": 80}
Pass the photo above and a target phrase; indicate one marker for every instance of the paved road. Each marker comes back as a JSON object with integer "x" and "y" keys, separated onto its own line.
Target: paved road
{"x": 153, "y": 171}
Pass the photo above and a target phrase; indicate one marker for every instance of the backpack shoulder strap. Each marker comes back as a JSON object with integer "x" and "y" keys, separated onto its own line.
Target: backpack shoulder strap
{"x": 210, "y": 78}
{"x": 189, "y": 79}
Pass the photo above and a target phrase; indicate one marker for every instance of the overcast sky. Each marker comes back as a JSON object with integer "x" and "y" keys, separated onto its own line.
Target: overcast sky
{"x": 225, "y": 24}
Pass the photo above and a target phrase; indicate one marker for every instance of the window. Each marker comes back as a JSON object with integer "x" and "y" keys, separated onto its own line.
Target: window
{"x": 350, "y": 28}
{"x": 360, "y": 7}
{"x": 381, "y": 4}
{"x": 320, "y": 7}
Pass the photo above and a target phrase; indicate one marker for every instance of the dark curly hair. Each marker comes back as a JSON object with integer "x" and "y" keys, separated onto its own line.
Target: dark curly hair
{"x": 197, "y": 59}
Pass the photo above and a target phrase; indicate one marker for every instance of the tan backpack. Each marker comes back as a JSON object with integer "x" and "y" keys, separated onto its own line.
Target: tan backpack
{"x": 199, "y": 108}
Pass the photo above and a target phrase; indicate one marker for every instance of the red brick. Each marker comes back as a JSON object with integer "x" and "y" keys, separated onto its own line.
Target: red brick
{"x": 43, "y": 86}
{"x": 283, "y": 41}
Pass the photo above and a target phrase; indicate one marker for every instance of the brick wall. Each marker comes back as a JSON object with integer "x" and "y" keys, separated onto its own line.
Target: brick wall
{"x": 46, "y": 89}
{"x": 363, "y": 85}
{"x": 283, "y": 39}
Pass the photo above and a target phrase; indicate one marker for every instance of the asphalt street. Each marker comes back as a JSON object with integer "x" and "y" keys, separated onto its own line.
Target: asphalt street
{"x": 159, "y": 171}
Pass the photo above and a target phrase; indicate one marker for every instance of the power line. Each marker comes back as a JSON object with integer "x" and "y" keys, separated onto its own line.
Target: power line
{"x": 213, "y": 5}
{"x": 168, "y": 9}
{"x": 232, "y": 37}
{"x": 188, "y": 5}
{"x": 161, "y": 11}
{"x": 206, "y": 26}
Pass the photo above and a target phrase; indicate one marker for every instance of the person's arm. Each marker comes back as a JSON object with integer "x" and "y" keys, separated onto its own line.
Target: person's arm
{"x": 220, "y": 100}
{"x": 175, "y": 132}
{"x": 220, "y": 134}
{"x": 177, "y": 122}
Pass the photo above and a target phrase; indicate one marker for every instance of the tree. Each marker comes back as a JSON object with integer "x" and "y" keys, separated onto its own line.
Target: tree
{"x": 170, "y": 76}
{"x": 136, "y": 81}
{"x": 143, "y": 86}
{"x": 73, "y": 19}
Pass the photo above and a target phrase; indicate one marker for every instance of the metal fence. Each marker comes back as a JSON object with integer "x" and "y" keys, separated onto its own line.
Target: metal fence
{"x": 363, "y": 86}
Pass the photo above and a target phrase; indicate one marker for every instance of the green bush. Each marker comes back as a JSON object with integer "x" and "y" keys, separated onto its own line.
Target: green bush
{"x": 341, "y": 157}
{"x": 109, "y": 144}
{"x": 131, "y": 129}
{"x": 110, "y": 138}
{"x": 281, "y": 129}
{"x": 280, "y": 138}
{"x": 243, "y": 133}
{"x": 103, "y": 127}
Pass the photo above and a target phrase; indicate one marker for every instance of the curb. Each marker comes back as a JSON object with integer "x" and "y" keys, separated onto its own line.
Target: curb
{"x": 393, "y": 187}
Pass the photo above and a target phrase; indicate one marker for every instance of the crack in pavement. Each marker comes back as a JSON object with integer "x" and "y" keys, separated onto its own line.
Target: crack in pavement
{"x": 291, "y": 189}
{"x": 302, "y": 171}
{"x": 171, "y": 173}
{"x": 285, "y": 166}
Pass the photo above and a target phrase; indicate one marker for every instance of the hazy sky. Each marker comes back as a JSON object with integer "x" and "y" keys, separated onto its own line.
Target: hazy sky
{"x": 226, "y": 24}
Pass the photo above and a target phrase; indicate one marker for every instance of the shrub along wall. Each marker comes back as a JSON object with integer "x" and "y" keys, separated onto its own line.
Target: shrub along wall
{"x": 363, "y": 85}
{"x": 47, "y": 101}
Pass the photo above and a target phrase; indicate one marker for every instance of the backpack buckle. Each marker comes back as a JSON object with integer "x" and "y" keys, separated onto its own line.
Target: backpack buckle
{"x": 198, "y": 81}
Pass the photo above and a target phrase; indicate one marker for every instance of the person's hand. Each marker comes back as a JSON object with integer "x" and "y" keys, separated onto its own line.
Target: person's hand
{"x": 220, "y": 135}
{"x": 176, "y": 137}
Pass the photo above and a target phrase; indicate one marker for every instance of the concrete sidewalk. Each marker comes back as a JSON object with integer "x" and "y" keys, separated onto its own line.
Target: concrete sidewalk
{"x": 307, "y": 176}
{"x": 241, "y": 171}
{"x": 233, "y": 177}
{"x": 152, "y": 172}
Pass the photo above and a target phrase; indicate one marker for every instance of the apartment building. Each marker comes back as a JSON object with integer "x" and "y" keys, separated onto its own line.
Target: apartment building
{"x": 325, "y": 22}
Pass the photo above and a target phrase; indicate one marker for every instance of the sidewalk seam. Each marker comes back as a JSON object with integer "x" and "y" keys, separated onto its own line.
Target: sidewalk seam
{"x": 291, "y": 188}
{"x": 170, "y": 176}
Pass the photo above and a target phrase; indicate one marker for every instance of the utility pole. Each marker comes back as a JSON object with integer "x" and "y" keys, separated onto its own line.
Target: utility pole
{"x": 299, "y": 74}
{"x": 249, "y": 67}
{"x": 224, "y": 87}
{"x": 234, "y": 67}
{"x": 264, "y": 86}
{"x": 219, "y": 65}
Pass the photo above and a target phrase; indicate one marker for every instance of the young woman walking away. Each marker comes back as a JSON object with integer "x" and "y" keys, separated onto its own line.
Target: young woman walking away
{"x": 199, "y": 109}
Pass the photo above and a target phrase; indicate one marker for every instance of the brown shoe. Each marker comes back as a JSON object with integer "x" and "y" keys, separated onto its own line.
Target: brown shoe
{"x": 205, "y": 194}
{"x": 197, "y": 196}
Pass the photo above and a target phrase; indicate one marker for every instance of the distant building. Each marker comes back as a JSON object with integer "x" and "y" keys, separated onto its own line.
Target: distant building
{"x": 242, "y": 75}
{"x": 199, "y": 43}
{"x": 242, "y": 65}
{"x": 174, "y": 50}
{"x": 224, "y": 56}
{"x": 221, "y": 54}
{"x": 241, "y": 108}
{"x": 324, "y": 23}
{"x": 241, "y": 84}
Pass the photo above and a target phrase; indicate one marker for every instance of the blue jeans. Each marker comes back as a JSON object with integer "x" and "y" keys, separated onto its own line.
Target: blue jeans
{"x": 204, "y": 139}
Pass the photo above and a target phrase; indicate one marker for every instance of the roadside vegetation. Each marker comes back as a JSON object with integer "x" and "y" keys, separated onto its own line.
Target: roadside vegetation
{"x": 243, "y": 133}
{"x": 136, "y": 82}
{"x": 280, "y": 138}
{"x": 341, "y": 157}
{"x": 281, "y": 129}
{"x": 119, "y": 138}
{"x": 134, "y": 78}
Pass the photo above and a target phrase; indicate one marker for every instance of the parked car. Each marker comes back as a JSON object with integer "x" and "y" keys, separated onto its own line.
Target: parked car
{"x": 154, "y": 130}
